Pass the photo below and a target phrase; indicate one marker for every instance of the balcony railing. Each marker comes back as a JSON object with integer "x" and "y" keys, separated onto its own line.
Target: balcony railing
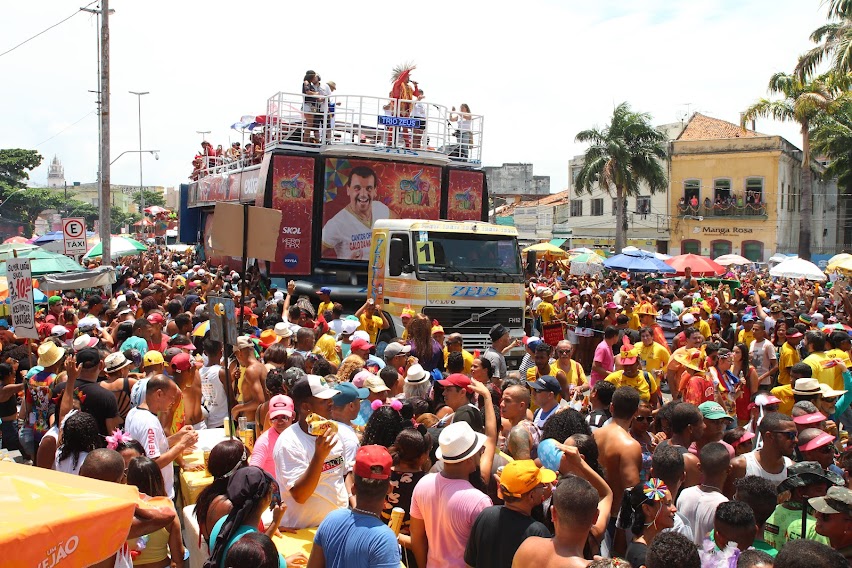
{"x": 720, "y": 210}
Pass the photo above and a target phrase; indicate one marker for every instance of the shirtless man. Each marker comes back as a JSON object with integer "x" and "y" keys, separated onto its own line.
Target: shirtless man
{"x": 251, "y": 376}
{"x": 620, "y": 455}
{"x": 574, "y": 509}
{"x": 514, "y": 408}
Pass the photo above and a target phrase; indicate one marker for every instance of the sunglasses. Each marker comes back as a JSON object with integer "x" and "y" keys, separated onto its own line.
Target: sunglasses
{"x": 790, "y": 435}
{"x": 563, "y": 352}
{"x": 829, "y": 449}
{"x": 643, "y": 418}
{"x": 830, "y": 400}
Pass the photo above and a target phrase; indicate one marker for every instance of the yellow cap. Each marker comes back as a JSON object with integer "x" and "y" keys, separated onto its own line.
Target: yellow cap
{"x": 153, "y": 358}
{"x": 522, "y": 476}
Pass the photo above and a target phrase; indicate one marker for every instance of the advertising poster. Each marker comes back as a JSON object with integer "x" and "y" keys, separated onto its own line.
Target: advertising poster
{"x": 358, "y": 192}
{"x": 21, "y": 307}
{"x": 464, "y": 196}
{"x": 293, "y": 195}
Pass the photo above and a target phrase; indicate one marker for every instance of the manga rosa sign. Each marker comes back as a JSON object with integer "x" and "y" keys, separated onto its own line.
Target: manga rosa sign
{"x": 358, "y": 192}
{"x": 293, "y": 195}
{"x": 464, "y": 196}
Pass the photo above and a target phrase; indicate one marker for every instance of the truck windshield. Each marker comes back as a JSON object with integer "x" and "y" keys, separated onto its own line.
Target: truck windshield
{"x": 464, "y": 257}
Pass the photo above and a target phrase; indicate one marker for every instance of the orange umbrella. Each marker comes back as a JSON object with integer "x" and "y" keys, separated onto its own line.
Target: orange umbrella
{"x": 57, "y": 519}
{"x": 701, "y": 265}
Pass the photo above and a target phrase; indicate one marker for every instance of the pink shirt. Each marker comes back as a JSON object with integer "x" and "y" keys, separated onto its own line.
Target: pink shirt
{"x": 448, "y": 508}
{"x": 261, "y": 455}
{"x": 604, "y": 356}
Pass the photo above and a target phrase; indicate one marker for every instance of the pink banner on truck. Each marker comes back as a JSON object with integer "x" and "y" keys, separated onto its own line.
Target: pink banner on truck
{"x": 293, "y": 195}
{"x": 464, "y": 196}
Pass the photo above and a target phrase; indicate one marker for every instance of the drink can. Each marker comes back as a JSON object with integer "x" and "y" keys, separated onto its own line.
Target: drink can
{"x": 395, "y": 524}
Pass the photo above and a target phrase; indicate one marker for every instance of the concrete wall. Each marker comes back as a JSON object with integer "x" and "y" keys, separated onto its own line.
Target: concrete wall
{"x": 516, "y": 179}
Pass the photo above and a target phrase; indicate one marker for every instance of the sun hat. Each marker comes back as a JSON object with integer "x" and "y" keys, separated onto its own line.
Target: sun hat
{"x": 373, "y": 462}
{"x": 416, "y": 375}
{"x": 828, "y": 392}
{"x": 116, "y": 362}
{"x": 837, "y": 500}
{"x": 268, "y": 337}
{"x": 804, "y": 473}
{"x": 690, "y": 358}
{"x": 49, "y": 354}
{"x": 281, "y": 404}
{"x": 522, "y": 476}
{"x": 282, "y": 330}
{"x": 806, "y": 387}
{"x": 458, "y": 442}
{"x": 628, "y": 353}
{"x": 83, "y": 341}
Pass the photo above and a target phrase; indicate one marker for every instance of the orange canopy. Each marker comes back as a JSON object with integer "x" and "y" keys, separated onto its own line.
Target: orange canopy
{"x": 49, "y": 518}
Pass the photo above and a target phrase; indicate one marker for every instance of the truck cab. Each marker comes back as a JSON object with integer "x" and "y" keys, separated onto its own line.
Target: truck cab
{"x": 466, "y": 275}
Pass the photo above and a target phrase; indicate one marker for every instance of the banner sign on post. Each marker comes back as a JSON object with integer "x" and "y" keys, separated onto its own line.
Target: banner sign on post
{"x": 21, "y": 306}
{"x": 226, "y": 331}
{"x": 74, "y": 236}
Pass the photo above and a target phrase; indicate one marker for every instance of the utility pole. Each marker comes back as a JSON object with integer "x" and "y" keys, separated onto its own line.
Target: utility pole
{"x": 104, "y": 189}
{"x": 141, "y": 189}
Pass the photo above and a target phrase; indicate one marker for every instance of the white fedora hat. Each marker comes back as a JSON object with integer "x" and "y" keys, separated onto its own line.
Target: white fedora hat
{"x": 458, "y": 442}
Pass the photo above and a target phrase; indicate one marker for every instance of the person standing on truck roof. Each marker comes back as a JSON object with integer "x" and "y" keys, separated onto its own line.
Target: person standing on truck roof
{"x": 347, "y": 234}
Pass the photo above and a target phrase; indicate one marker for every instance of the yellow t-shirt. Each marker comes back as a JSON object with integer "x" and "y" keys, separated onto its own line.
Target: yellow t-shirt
{"x": 533, "y": 374}
{"x": 371, "y": 325}
{"x": 638, "y": 382}
{"x": 745, "y": 337}
{"x": 576, "y": 376}
{"x": 704, "y": 328}
{"x": 784, "y": 393}
{"x": 545, "y": 311}
{"x": 789, "y": 357}
{"x": 324, "y": 307}
{"x": 654, "y": 358}
{"x": 466, "y": 355}
{"x": 325, "y": 346}
{"x": 633, "y": 322}
{"x": 827, "y": 375}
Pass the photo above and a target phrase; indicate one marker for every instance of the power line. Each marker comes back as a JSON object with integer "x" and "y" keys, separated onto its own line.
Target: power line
{"x": 46, "y": 30}
{"x": 67, "y": 127}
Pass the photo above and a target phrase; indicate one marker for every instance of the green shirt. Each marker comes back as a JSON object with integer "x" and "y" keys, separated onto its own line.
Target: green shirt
{"x": 785, "y": 523}
{"x": 761, "y": 545}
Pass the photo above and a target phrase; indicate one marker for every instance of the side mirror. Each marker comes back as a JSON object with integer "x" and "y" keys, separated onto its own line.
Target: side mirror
{"x": 396, "y": 258}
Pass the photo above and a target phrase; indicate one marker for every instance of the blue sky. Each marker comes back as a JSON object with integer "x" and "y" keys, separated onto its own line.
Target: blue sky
{"x": 540, "y": 71}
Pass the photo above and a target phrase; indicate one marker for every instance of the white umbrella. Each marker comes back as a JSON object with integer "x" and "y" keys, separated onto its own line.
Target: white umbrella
{"x": 729, "y": 259}
{"x": 797, "y": 268}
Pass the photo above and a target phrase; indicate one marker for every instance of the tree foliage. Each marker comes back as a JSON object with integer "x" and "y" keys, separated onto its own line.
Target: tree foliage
{"x": 621, "y": 156}
{"x": 151, "y": 198}
{"x": 831, "y": 136}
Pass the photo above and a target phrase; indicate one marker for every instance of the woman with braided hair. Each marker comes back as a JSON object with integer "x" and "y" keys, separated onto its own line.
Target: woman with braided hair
{"x": 79, "y": 437}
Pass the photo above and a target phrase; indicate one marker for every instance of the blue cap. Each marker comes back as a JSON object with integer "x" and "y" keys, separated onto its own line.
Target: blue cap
{"x": 747, "y": 317}
{"x": 4, "y": 324}
{"x": 348, "y": 393}
{"x": 546, "y": 383}
{"x": 325, "y": 290}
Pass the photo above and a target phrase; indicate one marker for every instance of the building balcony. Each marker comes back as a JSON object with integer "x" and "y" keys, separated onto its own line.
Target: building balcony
{"x": 748, "y": 210}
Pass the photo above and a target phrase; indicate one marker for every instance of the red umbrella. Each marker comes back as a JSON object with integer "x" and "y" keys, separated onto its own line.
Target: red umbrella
{"x": 20, "y": 240}
{"x": 700, "y": 265}
{"x": 156, "y": 210}
{"x": 143, "y": 223}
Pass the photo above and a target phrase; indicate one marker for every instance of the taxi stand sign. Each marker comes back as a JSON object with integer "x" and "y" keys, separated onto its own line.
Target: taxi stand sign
{"x": 74, "y": 236}
{"x": 21, "y": 306}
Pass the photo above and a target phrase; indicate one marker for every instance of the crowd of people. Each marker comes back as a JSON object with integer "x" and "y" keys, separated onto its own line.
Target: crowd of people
{"x": 218, "y": 160}
{"x": 676, "y": 424}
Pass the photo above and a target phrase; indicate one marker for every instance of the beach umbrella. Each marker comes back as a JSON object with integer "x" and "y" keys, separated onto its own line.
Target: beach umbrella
{"x": 659, "y": 255}
{"x": 547, "y": 249}
{"x": 44, "y": 262}
{"x": 638, "y": 262}
{"x": 155, "y": 210}
{"x": 797, "y": 268}
{"x": 16, "y": 240}
{"x": 119, "y": 246}
{"x": 201, "y": 329}
{"x": 729, "y": 259}
{"x": 839, "y": 262}
{"x": 700, "y": 265}
{"x": 7, "y": 249}
{"x": 581, "y": 250}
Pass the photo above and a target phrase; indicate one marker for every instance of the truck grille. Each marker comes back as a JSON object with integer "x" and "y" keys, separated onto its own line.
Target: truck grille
{"x": 474, "y": 320}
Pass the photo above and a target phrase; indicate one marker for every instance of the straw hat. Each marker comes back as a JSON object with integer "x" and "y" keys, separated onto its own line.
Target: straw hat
{"x": 49, "y": 354}
{"x": 690, "y": 358}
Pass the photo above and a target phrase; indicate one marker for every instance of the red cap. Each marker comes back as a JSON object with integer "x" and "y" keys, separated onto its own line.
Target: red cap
{"x": 744, "y": 438}
{"x": 373, "y": 462}
{"x": 808, "y": 419}
{"x": 822, "y": 440}
{"x": 156, "y": 317}
{"x": 361, "y": 345}
{"x": 457, "y": 380}
{"x": 181, "y": 362}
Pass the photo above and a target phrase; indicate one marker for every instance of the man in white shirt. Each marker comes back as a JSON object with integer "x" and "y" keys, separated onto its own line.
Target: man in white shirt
{"x": 213, "y": 396}
{"x": 143, "y": 425}
{"x": 347, "y": 234}
{"x": 698, "y": 503}
{"x": 761, "y": 354}
{"x": 312, "y": 470}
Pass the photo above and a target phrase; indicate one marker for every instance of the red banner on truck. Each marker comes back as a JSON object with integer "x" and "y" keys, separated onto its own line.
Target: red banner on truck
{"x": 293, "y": 195}
{"x": 464, "y": 196}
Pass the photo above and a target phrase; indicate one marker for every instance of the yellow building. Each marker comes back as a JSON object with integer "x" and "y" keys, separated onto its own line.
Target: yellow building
{"x": 736, "y": 191}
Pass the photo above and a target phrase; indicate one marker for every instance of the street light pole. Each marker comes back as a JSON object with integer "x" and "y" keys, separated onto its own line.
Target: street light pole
{"x": 141, "y": 190}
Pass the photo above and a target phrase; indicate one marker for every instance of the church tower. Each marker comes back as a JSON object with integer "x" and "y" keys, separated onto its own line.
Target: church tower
{"x": 56, "y": 174}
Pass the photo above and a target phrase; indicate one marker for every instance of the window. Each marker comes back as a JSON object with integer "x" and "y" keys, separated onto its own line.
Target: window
{"x": 597, "y": 207}
{"x": 754, "y": 191}
{"x": 643, "y": 204}
{"x": 721, "y": 189}
{"x": 576, "y": 207}
{"x": 615, "y": 204}
{"x": 690, "y": 246}
{"x": 691, "y": 188}
{"x": 720, "y": 247}
{"x": 575, "y": 172}
{"x": 753, "y": 250}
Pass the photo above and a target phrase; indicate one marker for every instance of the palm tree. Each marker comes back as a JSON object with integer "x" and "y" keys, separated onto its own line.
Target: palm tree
{"x": 802, "y": 102}
{"x": 831, "y": 136}
{"x": 834, "y": 42}
{"x": 620, "y": 157}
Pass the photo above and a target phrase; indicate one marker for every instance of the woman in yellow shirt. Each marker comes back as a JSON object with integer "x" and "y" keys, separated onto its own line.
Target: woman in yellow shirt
{"x": 654, "y": 357}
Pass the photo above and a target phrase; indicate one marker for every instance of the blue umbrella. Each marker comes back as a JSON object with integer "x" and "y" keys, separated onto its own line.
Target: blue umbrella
{"x": 638, "y": 261}
{"x": 55, "y": 236}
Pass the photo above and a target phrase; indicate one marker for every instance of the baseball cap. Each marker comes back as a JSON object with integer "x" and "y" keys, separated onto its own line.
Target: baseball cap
{"x": 313, "y": 385}
{"x": 325, "y": 290}
{"x": 182, "y": 341}
{"x": 181, "y": 362}
{"x": 713, "y": 411}
{"x": 59, "y": 331}
{"x": 747, "y": 318}
{"x": 347, "y": 392}
{"x": 395, "y": 348}
{"x": 361, "y": 345}
{"x": 688, "y": 319}
{"x": 156, "y": 318}
{"x": 244, "y": 342}
{"x": 809, "y": 419}
{"x": 375, "y": 384}
{"x": 522, "y": 476}
{"x": 837, "y": 500}
{"x": 373, "y": 462}
{"x": 349, "y": 327}
{"x": 497, "y": 331}
{"x": 822, "y": 440}
{"x": 794, "y": 334}
{"x": 457, "y": 380}
{"x": 89, "y": 322}
{"x": 89, "y": 358}
{"x": 151, "y": 358}
{"x": 281, "y": 405}
{"x": 546, "y": 383}
{"x": 360, "y": 334}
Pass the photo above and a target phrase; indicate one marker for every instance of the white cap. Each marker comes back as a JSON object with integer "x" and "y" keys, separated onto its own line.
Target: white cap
{"x": 688, "y": 319}
{"x": 59, "y": 331}
{"x": 362, "y": 334}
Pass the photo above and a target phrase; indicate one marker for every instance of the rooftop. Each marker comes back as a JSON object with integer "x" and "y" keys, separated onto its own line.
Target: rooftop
{"x": 701, "y": 127}
{"x": 552, "y": 199}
